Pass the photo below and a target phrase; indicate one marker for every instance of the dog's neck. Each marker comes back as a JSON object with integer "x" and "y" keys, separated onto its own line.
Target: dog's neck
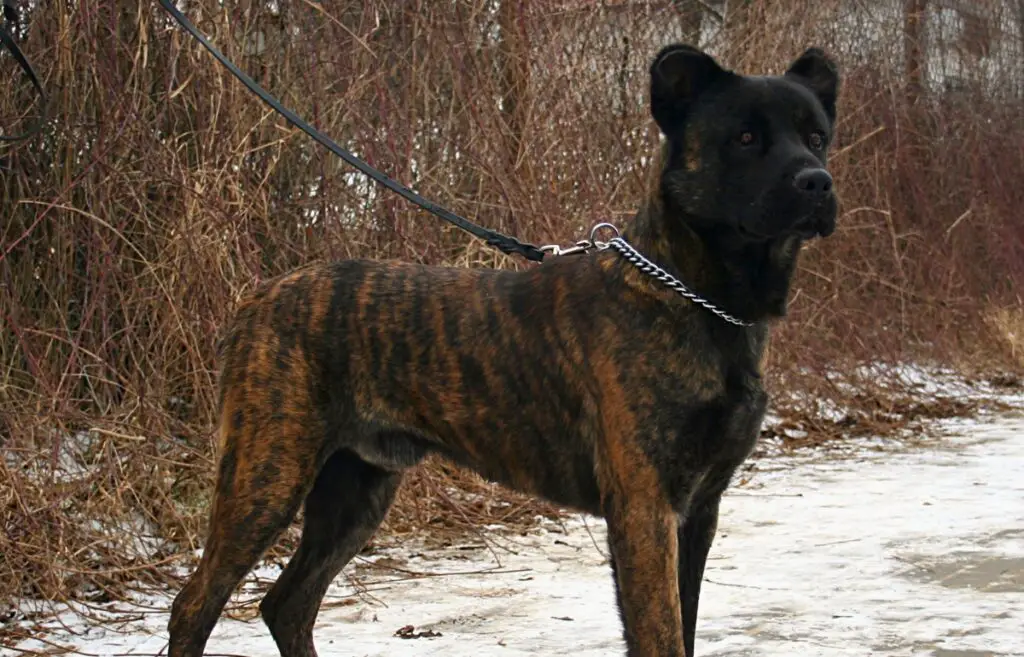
{"x": 750, "y": 281}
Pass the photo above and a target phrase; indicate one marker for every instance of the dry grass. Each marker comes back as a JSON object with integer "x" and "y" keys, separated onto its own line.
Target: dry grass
{"x": 1008, "y": 324}
{"x": 162, "y": 190}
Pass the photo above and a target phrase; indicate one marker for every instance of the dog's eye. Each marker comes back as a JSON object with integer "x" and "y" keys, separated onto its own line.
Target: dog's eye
{"x": 746, "y": 138}
{"x": 817, "y": 141}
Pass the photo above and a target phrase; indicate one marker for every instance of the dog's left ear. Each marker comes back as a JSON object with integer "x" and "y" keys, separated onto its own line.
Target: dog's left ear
{"x": 819, "y": 72}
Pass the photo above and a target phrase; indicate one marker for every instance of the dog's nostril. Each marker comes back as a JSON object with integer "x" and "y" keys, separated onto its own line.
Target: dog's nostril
{"x": 813, "y": 181}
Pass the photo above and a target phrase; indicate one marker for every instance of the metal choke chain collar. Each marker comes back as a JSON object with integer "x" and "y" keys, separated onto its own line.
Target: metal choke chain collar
{"x": 627, "y": 251}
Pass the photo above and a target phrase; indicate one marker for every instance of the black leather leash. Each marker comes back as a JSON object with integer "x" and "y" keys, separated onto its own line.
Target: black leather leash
{"x": 503, "y": 243}
{"x": 13, "y": 19}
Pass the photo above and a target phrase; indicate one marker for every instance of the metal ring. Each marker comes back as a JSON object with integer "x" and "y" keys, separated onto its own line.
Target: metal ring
{"x": 593, "y": 234}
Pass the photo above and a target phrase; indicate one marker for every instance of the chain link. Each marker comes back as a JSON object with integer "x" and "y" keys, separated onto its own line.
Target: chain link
{"x": 651, "y": 269}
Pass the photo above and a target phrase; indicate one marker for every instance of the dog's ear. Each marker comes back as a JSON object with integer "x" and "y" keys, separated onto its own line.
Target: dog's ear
{"x": 819, "y": 72}
{"x": 679, "y": 74}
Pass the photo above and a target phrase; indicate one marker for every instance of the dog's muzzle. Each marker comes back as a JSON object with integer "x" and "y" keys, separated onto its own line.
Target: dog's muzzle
{"x": 814, "y": 185}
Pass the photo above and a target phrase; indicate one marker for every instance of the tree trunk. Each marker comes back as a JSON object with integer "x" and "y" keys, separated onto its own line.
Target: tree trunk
{"x": 737, "y": 28}
{"x": 1020, "y": 38}
{"x": 913, "y": 46}
{"x": 515, "y": 64}
{"x": 691, "y": 15}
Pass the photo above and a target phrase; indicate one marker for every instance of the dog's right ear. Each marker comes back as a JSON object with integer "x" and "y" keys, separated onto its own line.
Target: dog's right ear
{"x": 679, "y": 74}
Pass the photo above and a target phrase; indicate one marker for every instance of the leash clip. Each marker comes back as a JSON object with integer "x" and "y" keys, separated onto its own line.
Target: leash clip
{"x": 583, "y": 245}
{"x": 580, "y": 247}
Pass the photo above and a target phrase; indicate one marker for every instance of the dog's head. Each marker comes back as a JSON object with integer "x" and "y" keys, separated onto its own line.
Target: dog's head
{"x": 747, "y": 155}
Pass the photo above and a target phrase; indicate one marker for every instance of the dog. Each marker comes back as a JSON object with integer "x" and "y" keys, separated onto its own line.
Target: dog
{"x": 585, "y": 380}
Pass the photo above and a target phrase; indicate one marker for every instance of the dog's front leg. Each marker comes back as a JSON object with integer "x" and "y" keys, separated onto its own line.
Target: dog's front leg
{"x": 642, "y": 537}
{"x": 696, "y": 533}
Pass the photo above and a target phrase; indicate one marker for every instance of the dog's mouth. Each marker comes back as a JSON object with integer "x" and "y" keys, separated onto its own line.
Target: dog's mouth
{"x": 750, "y": 234}
{"x": 806, "y": 227}
{"x": 817, "y": 225}
{"x": 809, "y": 228}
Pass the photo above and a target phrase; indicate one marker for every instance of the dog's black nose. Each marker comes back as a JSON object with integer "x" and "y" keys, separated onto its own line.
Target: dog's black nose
{"x": 814, "y": 182}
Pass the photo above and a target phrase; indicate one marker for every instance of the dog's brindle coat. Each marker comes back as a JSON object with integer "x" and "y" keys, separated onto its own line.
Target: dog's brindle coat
{"x": 582, "y": 380}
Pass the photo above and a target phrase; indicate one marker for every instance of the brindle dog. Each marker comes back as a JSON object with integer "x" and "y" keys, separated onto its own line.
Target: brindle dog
{"x": 583, "y": 380}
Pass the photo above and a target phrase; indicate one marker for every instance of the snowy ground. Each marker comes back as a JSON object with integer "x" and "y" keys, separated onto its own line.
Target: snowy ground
{"x": 914, "y": 552}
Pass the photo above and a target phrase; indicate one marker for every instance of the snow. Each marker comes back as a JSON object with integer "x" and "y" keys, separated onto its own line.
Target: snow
{"x": 898, "y": 551}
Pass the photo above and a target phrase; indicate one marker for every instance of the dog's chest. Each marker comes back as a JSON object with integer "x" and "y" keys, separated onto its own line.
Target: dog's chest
{"x": 724, "y": 425}
{"x": 701, "y": 445}
{"x": 707, "y": 416}
{"x": 743, "y": 408}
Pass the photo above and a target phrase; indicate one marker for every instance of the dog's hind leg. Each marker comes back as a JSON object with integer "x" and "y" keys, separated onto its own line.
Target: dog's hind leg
{"x": 346, "y": 505}
{"x": 267, "y": 466}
